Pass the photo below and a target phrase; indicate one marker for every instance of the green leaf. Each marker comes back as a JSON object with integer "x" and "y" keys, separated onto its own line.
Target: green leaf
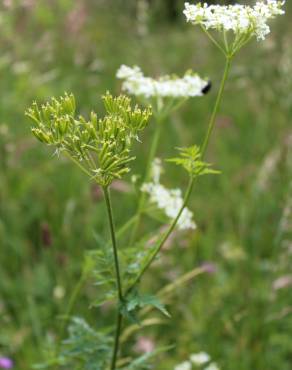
{"x": 84, "y": 349}
{"x": 135, "y": 301}
{"x": 191, "y": 160}
{"x": 100, "y": 263}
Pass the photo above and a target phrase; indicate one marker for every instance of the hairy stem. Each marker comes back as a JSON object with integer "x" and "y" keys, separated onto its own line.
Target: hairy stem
{"x": 118, "y": 277}
{"x": 192, "y": 180}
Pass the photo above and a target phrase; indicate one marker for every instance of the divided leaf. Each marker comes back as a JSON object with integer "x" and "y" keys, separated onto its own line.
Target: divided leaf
{"x": 135, "y": 301}
{"x": 191, "y": 160}
{"x": 102, "y": 271}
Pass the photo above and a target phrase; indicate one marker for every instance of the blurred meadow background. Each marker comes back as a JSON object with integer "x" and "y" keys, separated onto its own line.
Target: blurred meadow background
{"x": 238, "y": 308}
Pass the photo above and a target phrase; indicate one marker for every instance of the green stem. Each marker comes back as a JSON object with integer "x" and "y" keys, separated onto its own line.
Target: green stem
{"x": 143, "y": 197}
{"x": 167, "y": 234}
{"x": 214, "y": 40}
{"x": 117, "y": 340}
{"x": 192, "y": 179}
{"x": 216, "y": 106}
{"x": 118, "y": 277}
{"x": 83, "y": 169}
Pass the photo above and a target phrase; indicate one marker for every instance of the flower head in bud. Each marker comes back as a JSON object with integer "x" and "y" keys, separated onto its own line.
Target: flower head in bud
{"x": 100, "y": 146}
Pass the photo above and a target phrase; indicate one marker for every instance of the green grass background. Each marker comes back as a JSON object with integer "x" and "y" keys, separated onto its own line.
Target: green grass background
{"x": 49, "y": 211}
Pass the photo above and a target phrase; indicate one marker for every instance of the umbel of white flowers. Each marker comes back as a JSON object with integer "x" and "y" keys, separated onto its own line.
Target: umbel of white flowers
{"x": 242, "y": 20}
{"x": 168, "y": 200}
{"x": 198, "y": 359}
{"x": 135, "y": 83}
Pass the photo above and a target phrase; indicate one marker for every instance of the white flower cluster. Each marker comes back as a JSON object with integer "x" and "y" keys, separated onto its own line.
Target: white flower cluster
{"x": 241, "y": 19}
{"x": 169, "y": 200}
{"x": 198, "y": 359}
{"x": 186, "y": 365}
{"x": 135, "y": 83}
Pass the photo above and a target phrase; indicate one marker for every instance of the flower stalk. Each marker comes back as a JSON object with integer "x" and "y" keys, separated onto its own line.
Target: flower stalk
{"x": 118, "y": 276}
{"x": 190, "y": 187}
{"x": 218, "y": 101}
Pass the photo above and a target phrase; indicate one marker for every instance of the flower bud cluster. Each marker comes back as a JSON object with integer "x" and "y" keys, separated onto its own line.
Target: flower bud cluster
{"x": 100, "y": 146}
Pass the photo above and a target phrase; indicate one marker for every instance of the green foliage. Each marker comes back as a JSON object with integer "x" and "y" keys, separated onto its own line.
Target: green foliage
{"x": 234, "y": 314}
{"x": 145, "y": 361}
{"x": 99, "y": 263}
{"x": 101, "y": 147}
{"x": 102, "y": 273}
{"x": 191, "y": 160}
{"x": 85, "y": 348}
{"x": 134, "y": 301}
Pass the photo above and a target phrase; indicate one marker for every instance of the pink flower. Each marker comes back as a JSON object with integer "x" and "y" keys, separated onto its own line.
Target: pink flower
{"x": 6, "y": 363}
{"x": 282, "y": 282}
{"x": 144, "y": 345}
{"x": 209, "y": 267}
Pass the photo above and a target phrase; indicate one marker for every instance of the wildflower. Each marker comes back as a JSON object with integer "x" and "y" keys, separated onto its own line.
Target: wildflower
{"x": 6, "y": 363}
{"x": 126, "y": 72}
{"x": 156, "y": 170}
{"x": 186, "y": 365}
{"x": 209, "y": 268}
{"x": 282, "y": 282}
{"x": 145, "y": 345}
{"x": 268, "y": 169}
{"x": 200, "y": 358}
{"x": 169, "y": 200}
{"x": 212, "y": 366}
{"x": 135, "y": 83}
{"x": 101, "y": 147}
{"x": 240, "y": 19}
{"x": 59, "y": 292}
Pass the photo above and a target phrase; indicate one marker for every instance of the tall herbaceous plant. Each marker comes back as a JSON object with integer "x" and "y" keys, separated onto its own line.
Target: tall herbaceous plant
{"x": 101, "y": 147}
